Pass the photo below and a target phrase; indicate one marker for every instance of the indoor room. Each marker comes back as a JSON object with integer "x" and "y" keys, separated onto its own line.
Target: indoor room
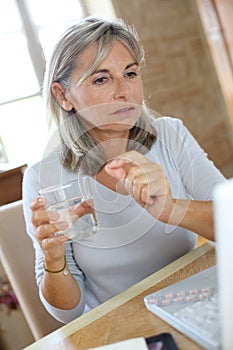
{"x": 187, "y": 75}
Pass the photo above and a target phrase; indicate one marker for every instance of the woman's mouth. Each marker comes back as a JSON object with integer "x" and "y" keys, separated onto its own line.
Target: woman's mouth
{"x": 124, "y": 111}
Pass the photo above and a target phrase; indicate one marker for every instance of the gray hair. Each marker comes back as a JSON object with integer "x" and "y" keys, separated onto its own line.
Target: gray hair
{"x": 78, "y": 149}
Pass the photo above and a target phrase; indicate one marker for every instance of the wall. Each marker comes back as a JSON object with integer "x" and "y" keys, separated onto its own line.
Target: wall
{"x": 180, "y": 77}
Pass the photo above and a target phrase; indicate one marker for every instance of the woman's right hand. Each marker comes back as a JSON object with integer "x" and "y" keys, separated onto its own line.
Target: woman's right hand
{"x": 54, "y": 286}
{"x": 53, "y": 246}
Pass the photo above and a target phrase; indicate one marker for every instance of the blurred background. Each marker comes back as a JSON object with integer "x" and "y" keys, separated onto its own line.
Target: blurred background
{"x": 189, "y": 75}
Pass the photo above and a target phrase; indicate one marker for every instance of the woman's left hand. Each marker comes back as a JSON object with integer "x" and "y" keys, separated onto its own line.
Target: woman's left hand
{"x": 149, "y": 186}
{"x": 145, "y": 181}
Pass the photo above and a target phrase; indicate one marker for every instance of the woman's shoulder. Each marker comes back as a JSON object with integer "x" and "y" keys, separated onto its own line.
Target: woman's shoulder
{"x": 169, "y": 129}
{"x": 48, "y": 171}
{"x": 167, "y": 123}
{"x": 47, "y": 161}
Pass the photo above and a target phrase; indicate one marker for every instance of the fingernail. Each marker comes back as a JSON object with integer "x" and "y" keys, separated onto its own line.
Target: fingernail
{"x": 113, "y": 163}
{"x": 53, "y": 215}
{"x": 62, "y": 225}
{"x": 40, "y": 200}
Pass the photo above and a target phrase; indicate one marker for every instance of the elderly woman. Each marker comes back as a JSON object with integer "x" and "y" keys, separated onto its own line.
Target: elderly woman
{"x": 153, "y": 183}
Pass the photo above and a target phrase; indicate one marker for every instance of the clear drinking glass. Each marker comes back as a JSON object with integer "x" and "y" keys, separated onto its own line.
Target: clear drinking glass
{"x": 73, "y": 201}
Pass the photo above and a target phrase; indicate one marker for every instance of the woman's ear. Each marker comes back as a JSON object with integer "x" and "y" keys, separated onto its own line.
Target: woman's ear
{"x": 60, "y": 94}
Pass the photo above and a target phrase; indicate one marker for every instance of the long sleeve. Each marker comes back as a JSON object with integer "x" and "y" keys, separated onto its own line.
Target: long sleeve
{"x": 198, "y": 174}
{"x": 30, "y": 190}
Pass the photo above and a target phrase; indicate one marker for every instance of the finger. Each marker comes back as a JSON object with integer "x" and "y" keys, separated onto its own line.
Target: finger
{"x": 154, "y": 189}
{"x": 118, "y": 173}
{"x": 129, "y": 162}
{"x": 37, "y": 203}
{"x": 145, "y": 182}
{"x": 137, "y": 185}
{"x": 141, "y": 172}
{"x": 122, "y": 168}
{"x": 140, "y": 189}
{"x": 39, "y": 217}
{"x": 126, "y": 158}
{"x": 47, "y": 230}
{"x": 53, "y": 241}
{"x": 139, "y": 176}
{"x": 146, "y": 197}
{"x": 81, "y": 209}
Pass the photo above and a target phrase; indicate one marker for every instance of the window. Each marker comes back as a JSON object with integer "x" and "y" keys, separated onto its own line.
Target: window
{"x": 52, "y": 17}
{"x": 28, "y": 30}
{"x": 14, "y": 54}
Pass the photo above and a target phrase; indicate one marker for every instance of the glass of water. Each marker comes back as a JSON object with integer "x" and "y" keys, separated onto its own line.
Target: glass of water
{"x": 73, "y": 201}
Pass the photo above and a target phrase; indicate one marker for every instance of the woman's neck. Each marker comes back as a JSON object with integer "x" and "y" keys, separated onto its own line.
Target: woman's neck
{"x": 112, "y": 144}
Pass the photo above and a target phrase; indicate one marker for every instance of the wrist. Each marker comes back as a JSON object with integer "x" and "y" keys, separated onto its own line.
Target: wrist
{"x": 179, "y": 211}
{"x": 54, "y": 264}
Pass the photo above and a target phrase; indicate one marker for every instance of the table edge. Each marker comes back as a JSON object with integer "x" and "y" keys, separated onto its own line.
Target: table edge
{"x": 116, "y": 301}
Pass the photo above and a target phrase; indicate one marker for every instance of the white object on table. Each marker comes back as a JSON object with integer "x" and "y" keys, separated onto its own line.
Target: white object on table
{"x": 223, "y": 216}
{"x": 129, "y": 344}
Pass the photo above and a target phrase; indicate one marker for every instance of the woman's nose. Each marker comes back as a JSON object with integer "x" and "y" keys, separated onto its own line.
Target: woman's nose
{"x": 121, "y": 89}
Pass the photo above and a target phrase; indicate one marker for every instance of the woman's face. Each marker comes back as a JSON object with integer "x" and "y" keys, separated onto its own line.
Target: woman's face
{"x": 111, "y": 98}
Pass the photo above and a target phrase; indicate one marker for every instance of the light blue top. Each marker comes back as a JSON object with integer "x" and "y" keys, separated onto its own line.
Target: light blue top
{"x": 131, "y": 244}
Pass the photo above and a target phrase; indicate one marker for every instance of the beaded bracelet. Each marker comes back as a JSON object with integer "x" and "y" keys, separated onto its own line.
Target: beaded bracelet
{"x": 65, "y": 271}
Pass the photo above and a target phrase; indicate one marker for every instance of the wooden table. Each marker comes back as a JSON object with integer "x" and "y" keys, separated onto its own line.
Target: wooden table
{"x": 125, "y": 315}
{"x": 11, "y": 177}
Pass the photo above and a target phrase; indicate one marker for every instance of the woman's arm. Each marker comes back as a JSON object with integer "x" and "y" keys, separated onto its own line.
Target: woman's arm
{"x": 196, "y": 216}
{"x": 59, "y": 288}
{"x": 50, "y": 251}
{"x": 149, "y": 186}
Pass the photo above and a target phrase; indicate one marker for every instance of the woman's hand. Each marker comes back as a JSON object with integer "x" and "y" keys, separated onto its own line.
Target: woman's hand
{"x": 52, "y": 245}
{"x": 54, "y": 285}
{"x": 145, "y": 181}
{"x": 149, "y": 186}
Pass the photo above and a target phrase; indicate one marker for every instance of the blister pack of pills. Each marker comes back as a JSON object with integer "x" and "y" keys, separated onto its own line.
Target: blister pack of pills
{"x": 182, "y": 296}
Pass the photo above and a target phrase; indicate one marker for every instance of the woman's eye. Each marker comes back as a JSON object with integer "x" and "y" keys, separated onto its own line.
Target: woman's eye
{"x": 131, "y": 75}
{"x": 100, "y": 81}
